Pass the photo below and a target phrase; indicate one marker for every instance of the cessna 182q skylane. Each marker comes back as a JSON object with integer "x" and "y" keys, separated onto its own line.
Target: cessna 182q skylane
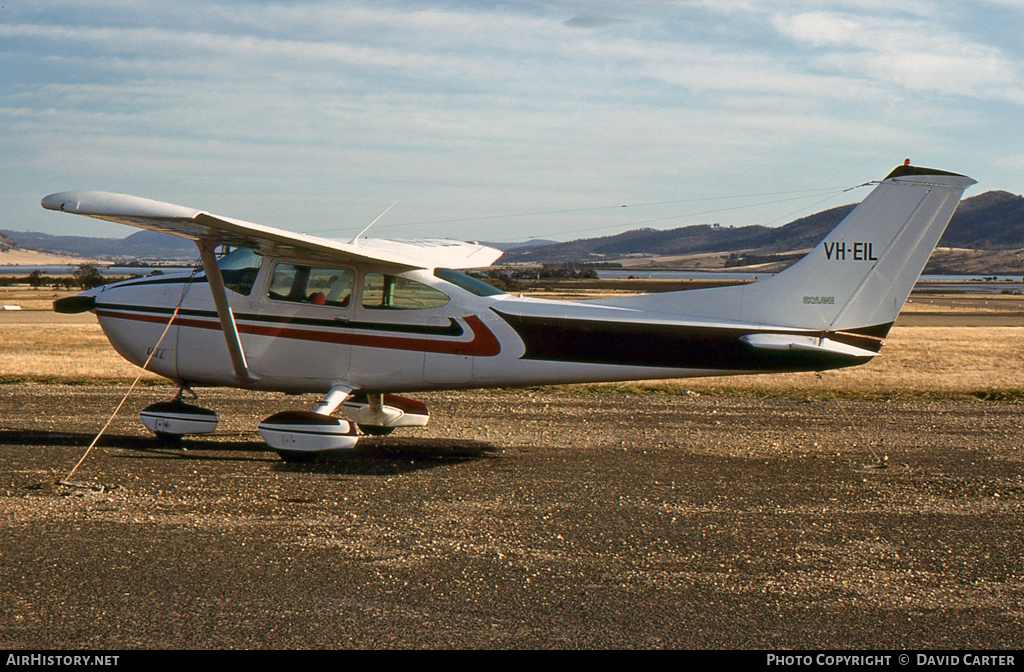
{"x": 363, "y": 319}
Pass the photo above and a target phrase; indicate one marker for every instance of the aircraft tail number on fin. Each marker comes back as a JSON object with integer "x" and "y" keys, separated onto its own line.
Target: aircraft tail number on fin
{"x": 857, "y": 278}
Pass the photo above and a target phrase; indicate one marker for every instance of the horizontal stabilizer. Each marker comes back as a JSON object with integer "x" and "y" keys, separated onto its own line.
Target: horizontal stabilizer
{"x": 766, "y": 341}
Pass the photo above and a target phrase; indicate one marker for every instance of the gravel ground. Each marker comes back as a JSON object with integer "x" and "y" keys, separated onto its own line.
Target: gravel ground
{"x": 518, "y": 520}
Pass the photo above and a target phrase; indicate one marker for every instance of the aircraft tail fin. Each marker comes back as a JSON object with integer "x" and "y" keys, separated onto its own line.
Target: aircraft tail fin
{"x": 856, "y": 280}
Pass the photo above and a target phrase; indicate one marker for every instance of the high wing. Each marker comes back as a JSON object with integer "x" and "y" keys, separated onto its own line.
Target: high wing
{"x": 212, "y": 230}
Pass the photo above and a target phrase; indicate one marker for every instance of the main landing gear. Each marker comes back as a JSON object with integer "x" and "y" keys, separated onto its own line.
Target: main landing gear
{"x": 381, "y": 414}
{"x": 298, "y": 435}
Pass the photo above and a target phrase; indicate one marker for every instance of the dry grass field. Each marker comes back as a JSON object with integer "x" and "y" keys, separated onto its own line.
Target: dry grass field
{"x": 943, "y": 345}
{"x": 741, "y": 513}
{"x": 916, "y": 361}
{"x": 30, "y": 258}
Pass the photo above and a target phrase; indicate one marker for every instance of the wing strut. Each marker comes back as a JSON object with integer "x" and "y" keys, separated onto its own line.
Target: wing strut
{"x": 227, "y": 318}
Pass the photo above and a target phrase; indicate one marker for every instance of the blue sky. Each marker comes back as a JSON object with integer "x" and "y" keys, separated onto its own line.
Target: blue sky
{"x": 316, "y": 116}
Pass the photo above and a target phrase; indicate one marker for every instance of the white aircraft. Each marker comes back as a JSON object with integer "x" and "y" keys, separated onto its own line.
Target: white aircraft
{"x": 363, "y": 319}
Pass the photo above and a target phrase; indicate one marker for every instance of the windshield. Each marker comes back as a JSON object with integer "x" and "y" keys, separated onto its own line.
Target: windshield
{"x": 466, "y": 282}
{"x": 239, "y": 269}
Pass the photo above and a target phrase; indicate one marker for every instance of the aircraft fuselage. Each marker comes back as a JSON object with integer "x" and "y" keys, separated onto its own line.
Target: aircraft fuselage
{"x": 362, "y": 319}
{"x": 383, "y": 331}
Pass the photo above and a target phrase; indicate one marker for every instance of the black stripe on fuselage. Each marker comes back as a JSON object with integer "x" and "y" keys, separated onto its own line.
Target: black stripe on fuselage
{"x": 664, "y": 346}
{"x": 453, "y": 328}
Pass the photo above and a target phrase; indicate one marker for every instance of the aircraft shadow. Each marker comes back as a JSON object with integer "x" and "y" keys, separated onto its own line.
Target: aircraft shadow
{"x": 372, "y": 456}
{"x": 147, "y": 447}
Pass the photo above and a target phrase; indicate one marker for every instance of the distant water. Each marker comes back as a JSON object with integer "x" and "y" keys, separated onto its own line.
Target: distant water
{"x": 982, "y": 284}
{"x": 681, "y": 275}
{"x": 104, "y": 270}
{"x": 971, "y": 278}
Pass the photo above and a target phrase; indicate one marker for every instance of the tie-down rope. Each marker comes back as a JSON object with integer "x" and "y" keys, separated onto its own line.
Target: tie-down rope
{"x": 188, "y": 283}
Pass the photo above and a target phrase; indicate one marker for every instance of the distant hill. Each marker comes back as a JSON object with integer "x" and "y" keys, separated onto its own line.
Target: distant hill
{"x": 141, "y": 245}
{"x": 991, "y": 221}
{"x": 515, "y": 246}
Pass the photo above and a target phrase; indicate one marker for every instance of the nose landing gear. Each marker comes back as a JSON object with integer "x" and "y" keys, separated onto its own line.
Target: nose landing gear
{"x": 171, "y": 420}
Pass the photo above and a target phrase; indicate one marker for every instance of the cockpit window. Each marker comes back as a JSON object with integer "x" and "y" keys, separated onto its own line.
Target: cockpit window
{"x": 307, "y": 284}
{"x": 466, "y": 282}
{"x": 239, "y": 269}
{"x": 398, "y": 293}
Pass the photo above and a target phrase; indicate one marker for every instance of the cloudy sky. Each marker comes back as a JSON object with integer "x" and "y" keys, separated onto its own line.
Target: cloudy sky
{"x": 475, "y": 116}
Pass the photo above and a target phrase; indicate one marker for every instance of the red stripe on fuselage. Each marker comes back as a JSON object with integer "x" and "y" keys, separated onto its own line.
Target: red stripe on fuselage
{"x": 484, "y": 343}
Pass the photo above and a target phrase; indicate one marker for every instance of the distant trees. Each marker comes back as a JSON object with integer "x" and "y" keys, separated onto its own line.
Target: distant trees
{"x": 85, "y": 276}
{"x": 35, "y": 278}
{"x": 88, "y": 276}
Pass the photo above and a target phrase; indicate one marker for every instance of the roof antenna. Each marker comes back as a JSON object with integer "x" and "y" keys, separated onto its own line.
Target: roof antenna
{"x": 353, "y": 241}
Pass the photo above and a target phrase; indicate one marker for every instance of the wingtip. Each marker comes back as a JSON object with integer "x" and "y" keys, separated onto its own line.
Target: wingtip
{"x": 59, "y": 201}
{"x": 111, "y": 205}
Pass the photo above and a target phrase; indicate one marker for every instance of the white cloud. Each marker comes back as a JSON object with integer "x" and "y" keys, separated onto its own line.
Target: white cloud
{"x": 281, "y": 112}
{"x": 915, "y": 55}
{"x": 1014, "y": 163}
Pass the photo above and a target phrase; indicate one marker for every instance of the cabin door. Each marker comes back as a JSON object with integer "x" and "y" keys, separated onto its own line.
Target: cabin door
{"x": 301, "y": 328}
